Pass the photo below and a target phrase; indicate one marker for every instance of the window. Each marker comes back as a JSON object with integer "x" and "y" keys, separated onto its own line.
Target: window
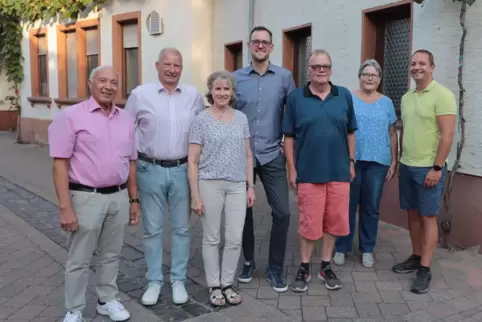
{"x": 296, "y": 50}
{"x": 39, "y": 69}
{"x": 387, "y": 37}
{"x": 127, "y": 52}
{"x": 233, "y": 56}
{"x": 78, "y": 54}
{"x": 130, "y": 46}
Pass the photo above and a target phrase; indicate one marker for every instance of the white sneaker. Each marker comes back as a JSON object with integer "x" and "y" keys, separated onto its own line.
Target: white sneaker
{"x": 367, "y": 260}
{"x": 151, "y": 295}
{"x": 114, "y": 310}
{"x": 179, "y": 294}
{"x": 339, "y": 259}
{"x": 73, "y": 317}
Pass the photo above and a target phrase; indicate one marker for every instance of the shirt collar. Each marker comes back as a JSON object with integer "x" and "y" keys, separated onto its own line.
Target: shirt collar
{"x": 160, "y": 87}
{"x": 308, "y": 93}
{"x": 270, "y": 68}
{"x": 430, "y": 86}
{"x": 93, "y": 106}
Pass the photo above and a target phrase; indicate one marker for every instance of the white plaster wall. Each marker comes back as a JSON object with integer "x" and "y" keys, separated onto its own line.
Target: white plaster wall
{"x": 230, "y": 24}
{"x": 4, "y": 91}
{"x": 187, "y": 26}
{"x": 336, "y": 27}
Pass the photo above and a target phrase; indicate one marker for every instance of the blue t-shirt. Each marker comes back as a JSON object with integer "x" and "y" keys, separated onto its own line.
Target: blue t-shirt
{"x": 372, "y": 137}
{"x": 320, "y": 129}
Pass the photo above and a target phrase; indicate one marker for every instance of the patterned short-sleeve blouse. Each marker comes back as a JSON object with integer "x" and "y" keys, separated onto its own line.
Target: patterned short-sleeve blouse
{"x": 223, "y": 154}
{"x": 372, "y": 138}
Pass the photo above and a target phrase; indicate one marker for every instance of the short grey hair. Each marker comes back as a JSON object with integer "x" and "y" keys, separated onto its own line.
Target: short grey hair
{"x": 317, "y": 52}
{"x": 170, "y": 50}
{"x": 221, "y": 75}
{"x": 99, "y": 68}
{"x": 372, "y": 63}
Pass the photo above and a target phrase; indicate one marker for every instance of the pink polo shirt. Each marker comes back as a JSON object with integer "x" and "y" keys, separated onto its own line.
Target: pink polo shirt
{"x": 99, "y": 147}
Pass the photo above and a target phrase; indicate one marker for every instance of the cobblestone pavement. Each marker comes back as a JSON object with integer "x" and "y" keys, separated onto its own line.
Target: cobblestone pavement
{"x": 374, "y": 294}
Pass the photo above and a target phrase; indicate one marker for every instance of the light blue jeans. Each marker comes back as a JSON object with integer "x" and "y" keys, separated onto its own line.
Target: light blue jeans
{"x": 164, "y": 191}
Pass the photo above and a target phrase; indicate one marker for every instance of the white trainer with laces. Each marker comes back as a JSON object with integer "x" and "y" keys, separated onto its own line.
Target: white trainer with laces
{"x": 73, "y": 317}
{"x": 114, "y": 310}
{"x": 367, "y": 260}
{"x": 339, "y": 259}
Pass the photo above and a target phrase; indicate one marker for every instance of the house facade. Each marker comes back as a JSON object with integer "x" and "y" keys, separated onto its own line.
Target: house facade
{"x": 213, "y": 35}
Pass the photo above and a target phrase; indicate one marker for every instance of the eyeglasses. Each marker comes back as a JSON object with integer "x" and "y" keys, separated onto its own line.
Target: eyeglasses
{"x": 367, "y": 75}
{"x": 320, "y": 67}
{"x": 257, "y": 42}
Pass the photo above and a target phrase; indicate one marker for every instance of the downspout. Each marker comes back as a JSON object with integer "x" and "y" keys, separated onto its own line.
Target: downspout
{"x": 250, "y": 26}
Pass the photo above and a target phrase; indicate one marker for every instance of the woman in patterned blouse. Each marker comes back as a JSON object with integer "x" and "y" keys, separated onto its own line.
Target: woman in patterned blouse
{"x": 221, "y": 180}
{"x": 376, "y": 161}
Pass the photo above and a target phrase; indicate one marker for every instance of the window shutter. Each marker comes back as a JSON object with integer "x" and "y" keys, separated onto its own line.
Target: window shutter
{"x": 71, "y": 43}
{"x": 130, "y": 36}
{"x": 42, "y": 45}
{"x": 92, "y": 42}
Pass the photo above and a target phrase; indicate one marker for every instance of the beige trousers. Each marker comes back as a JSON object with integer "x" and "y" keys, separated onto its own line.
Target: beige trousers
{"x": 102, "y": 219}
{"x": 219, "y": 195}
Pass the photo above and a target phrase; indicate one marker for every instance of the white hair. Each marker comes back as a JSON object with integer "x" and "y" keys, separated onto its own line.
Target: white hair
{"x": 171, "y": 50}
{"x": 99, "y": 68}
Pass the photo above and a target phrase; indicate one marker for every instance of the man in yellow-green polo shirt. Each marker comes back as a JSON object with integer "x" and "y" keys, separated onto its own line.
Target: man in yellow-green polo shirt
{"x": 428, "y": 116}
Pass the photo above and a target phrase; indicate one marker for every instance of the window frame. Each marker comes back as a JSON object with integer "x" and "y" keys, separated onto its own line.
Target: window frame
{"x": 79, "y": 28}
{"x": 118, "y": 56}
{"x": 231, "y": 50}
{"x": 35, "y": 97}
{"x": 291, "y": 50}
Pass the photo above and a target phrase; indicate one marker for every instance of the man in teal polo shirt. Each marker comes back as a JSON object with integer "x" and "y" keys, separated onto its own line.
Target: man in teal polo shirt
{"x": 320, "y": 118}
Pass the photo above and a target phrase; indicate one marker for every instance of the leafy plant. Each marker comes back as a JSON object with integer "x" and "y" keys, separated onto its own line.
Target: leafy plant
{"x": 13, "y": 15}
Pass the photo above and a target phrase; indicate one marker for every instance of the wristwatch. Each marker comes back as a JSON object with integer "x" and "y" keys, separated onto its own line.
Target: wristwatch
{"x": 352, "y": 160}
{"x": 133, "y": 200}
{"x": 250, "y": 185}
{"x": 437, "y": 167}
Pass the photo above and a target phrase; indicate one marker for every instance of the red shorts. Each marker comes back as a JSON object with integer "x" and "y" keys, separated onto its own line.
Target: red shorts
{"x": 324, "y": 208}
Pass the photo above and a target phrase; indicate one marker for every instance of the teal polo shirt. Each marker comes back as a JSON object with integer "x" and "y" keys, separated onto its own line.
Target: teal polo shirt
{"x": 320, "y": 128}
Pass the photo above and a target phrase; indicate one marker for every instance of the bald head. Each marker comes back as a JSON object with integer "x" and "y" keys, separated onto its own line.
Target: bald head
{"x": 104, "y": 84}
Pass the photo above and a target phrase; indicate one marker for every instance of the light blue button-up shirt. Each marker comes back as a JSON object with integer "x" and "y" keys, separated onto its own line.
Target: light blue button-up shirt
{"x": 262, "y": 99}
{"x": 372, "y": 138}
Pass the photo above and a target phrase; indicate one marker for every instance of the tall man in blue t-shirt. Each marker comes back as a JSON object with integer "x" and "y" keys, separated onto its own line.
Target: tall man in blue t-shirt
{"x": 261, "y": 92}
{"x": 321, "y": 119}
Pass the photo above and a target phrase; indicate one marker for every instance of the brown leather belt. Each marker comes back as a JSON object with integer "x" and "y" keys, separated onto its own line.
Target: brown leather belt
{"x": 103, "y": 190}
{"x": 162, "y": 163}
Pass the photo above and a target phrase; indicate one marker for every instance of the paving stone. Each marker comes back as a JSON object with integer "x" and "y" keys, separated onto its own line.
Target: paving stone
{"x": 393, "y": 309}
{"x": 341, "y": 312}
{"x": 364, "y": 276}
{"x": 368, "y": 310}
{"x": 365, "y": 287}
{"x": 314, "y": 313}
{"x": 310, "y": 300}
{"x": 389, "y": 286}
{"x": 289, "y": 302}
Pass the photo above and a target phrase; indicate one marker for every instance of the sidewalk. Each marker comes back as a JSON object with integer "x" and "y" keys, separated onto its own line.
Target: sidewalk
{"x": 374, "y": 294}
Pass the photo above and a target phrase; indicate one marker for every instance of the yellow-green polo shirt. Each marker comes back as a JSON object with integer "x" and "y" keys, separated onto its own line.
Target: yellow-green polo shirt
{"x": 421, "y": 132}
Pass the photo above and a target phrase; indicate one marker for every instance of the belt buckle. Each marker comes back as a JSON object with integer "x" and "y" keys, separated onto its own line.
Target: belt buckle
{"x": 178, "y": 162}
{"x": 153, "y": 161}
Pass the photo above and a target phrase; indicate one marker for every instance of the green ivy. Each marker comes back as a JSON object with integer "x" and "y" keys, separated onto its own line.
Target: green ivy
{"x": 14, "y": 13}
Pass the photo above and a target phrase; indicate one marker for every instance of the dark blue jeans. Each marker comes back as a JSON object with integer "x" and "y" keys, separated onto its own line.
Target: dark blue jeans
{"x": 275, "y": 183}
{"x": 365, "y": 193}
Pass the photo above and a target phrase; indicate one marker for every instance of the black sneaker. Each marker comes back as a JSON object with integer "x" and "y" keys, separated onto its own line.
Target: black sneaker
{"x": 332, "y": 282}
{"x": 422, "y": 281}
{"x": 301, "y": 281}
{"x": 410, "y": 265}
{"x": 247, "y": 273}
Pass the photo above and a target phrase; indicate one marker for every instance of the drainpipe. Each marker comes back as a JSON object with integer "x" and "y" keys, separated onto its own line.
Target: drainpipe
{"x": 250, "y": 26}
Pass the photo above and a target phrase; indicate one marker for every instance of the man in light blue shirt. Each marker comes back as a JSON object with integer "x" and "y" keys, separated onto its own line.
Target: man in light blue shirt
{"x": 261, "y": 92}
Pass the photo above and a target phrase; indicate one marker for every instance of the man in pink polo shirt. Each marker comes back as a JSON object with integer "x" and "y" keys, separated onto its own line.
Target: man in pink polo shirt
{"x": 94, "y": 172}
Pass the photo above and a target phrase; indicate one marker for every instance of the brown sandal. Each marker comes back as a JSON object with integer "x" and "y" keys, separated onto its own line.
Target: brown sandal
{"x": 216, "y": 297}
{"x": 231, "y": 296}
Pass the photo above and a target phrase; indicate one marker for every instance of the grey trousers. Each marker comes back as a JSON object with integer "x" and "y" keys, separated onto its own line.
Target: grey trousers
{"x": 102, "y": 219}
{"x": 219, "y": 195}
